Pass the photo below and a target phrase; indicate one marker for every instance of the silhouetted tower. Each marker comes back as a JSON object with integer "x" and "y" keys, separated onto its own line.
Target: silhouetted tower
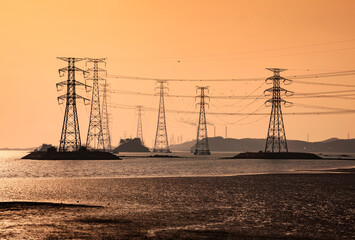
{"x": 161, "y": 138}
{"x": 95, "y": 137}
{"x": 202, "y": 147}
{"x": 70, "y": 137}
{"x": 139, "y": 125}
{"x": 276, "y": 136}
{"x": 105, "y": 118}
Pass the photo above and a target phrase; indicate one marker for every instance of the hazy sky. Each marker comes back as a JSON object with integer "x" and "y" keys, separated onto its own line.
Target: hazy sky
{"x": 173, "y": 39}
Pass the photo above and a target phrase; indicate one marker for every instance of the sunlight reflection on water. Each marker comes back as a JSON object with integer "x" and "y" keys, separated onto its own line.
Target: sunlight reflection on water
{"x": 11, "y": 166}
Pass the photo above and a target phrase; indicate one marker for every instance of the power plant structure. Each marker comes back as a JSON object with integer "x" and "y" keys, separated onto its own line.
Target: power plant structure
{"x": 161, "y": 143}
{"x": 70, "y": 136}
{"x": 139, "y": 124}
{"x": 95, "y": 138}
{"x": 201, "y": 147}
{"x": 276, "y": 136}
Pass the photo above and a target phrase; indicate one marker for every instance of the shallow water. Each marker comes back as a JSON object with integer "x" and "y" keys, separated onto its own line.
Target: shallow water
{"x": 11, "y": 166}
{"x": 286, "y": 206}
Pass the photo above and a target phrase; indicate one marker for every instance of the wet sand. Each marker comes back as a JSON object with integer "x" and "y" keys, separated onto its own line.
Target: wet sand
{"x": 284, "y": 206}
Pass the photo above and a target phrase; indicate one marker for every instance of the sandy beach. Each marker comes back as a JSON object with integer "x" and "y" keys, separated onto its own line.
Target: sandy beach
{"x": 275, "y": 206}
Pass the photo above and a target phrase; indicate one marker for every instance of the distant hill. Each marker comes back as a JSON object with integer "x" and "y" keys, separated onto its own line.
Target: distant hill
{"x": 221, "y": 144}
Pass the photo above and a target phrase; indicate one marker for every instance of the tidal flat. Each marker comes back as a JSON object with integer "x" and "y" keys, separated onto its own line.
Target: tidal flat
{"x": 270, "y": 206}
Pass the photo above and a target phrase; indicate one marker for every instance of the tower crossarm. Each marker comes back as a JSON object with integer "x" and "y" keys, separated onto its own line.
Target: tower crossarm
{"x": 268, "y": 103}
{"x": 62, "y": 71}
{"x": 77, "y": 83}
{"x": 98, "y": 69}
{"x": 73, "y": 59}
{"x": 268, "y": 91}
{"x": 98, "y": 60}
{"x": 98, "y": 78}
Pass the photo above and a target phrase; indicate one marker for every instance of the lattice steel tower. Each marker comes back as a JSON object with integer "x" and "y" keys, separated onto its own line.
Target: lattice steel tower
{"x": 105, "y": 118}
{"x": 139, "y": 125}
{"x": 70, "y": 137}
{"x": 202, "y": 147}
{"x": 95, "y": 137}
{"x": 161, "y": 138}
{"x": 276, "y": 136}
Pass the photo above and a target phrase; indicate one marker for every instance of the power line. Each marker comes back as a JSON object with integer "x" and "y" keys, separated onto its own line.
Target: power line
{"x": 325, "y": 84}
{"x": 247, "y": 52}
{"x": 185, "y": 79}
{"x": 319, "y": 107}
{"x": 249, "y": 96}
{"x": 131, "y": 107}
{"x": 293, "y": 77}
{"x": 323, "y": 92}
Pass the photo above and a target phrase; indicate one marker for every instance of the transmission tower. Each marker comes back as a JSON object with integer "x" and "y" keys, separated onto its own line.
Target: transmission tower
{"x": 202, "y": 147}
{"x": 139, "y": 125}
{"x": 95, "y": 134}
{"x": 70, "y": 137}
{"x": 276, "y": 136}
{"x": 105, "y": 119}
{"x": 161, "y": 138}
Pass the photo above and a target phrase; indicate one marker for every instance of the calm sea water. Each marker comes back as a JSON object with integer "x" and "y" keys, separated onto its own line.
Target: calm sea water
{"x": 155, "y": 198}
{"x": 136, "y": 165}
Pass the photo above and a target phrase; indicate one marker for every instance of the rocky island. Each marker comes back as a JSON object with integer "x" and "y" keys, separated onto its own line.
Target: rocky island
{"x": 51, "y": 153}
{"x": 276, "y": 155}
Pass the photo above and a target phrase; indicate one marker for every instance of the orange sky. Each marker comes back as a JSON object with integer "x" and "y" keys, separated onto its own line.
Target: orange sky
{"x": 211, "y": 39}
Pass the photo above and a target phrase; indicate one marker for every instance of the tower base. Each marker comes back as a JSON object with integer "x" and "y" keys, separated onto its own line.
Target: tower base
{"x": 161, "y": 151}
{"x": 202, "y": 152}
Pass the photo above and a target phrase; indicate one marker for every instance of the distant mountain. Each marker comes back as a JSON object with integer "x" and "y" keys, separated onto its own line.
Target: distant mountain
{"x": 330, "y": 140}
{"x": 220, "y": 144}
{"x": 17, "y": 149}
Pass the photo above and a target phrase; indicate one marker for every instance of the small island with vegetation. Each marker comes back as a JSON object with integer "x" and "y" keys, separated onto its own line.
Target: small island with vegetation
{"x": 51, "y": 153}
{"x": 131, "y": 145}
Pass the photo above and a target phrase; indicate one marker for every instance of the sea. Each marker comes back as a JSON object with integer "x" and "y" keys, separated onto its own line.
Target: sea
{"x": 138, "y": 165}
{"x": 187, "y": 197}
